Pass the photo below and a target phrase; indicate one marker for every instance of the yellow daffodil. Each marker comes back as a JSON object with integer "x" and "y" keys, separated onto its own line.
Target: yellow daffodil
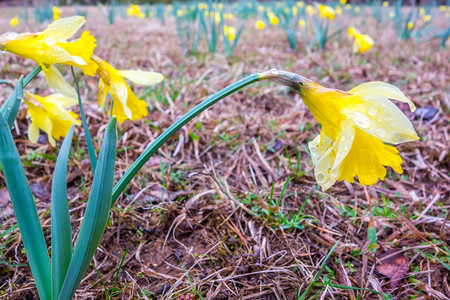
{"x": 338, "y": 10}
{"x": 442, "y": 8}
{"x": 135, "y": 10}
{"x": 126, "y": 105}
{"x": 300, "y": 4}
{"x": 385, "y": 3}
{"x": 357, "y": 9}
{"x": 310, "y": 10}
{"x": 343, "y": 2}
{"x": 228, "y": 16}
{"x": 302, "y": 23}
{"x": 348, "y": 6}
{"x": 50, "y": 115}
{"x": 355, "y": 127}
{"x": 294, "y": 10}
{"x": 14, "y": 22}
{"x": 56, "y": 13}
{"x": 391, "y": 14}
{"x": 410, "y": 25}
{"x": 217, "y": 17}
{"x": 427, "y": 18}
{"x": 326, "y": 12}
{"x": 259, "y": 25}
{"x": 51, "y": 47}
{"x": 422, "y": 11}
{"x": 273, "y": 19}
{"x": 362, "y": 42}
{"x": 229, "y": 32}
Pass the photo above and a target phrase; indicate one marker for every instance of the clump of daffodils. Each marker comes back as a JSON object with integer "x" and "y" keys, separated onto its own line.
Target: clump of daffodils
{"x": 52, "y": 46}
{"x": 362, "y": 42}
{"x": 357, "y": 127}
{"x": 326, "y": 12}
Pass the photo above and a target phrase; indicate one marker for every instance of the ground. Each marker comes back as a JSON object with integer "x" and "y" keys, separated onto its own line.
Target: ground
{"x": 229, "y": 207}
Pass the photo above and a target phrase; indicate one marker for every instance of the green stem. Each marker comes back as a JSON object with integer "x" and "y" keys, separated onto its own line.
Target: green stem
{"x": 30, "y": 76}
{"x": 90, "y": 145}
{"x": 163, "y": 137}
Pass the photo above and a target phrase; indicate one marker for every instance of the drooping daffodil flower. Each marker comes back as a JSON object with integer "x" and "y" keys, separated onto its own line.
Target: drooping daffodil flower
{"x": 362, "y": 42}
{"x": 125, "y": 103}
{"x": 52, "y": 47}
{"x": 51, "y": 115}
{"x": 356, "y": 127}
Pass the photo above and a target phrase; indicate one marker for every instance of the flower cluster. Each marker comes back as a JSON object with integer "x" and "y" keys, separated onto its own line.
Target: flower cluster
{"x": 53, "y": 46}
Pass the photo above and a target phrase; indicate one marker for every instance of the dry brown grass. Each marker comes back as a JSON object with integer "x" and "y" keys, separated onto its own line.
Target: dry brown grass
{"x": 198, "y": 205}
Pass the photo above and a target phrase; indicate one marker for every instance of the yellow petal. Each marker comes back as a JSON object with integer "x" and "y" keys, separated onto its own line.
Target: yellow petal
{"x": 380, "y": 118}
{"x": 384, "y": 89}
{"x": 119, "y": 91}
{"x": 61, "y": 101}
{"x": 56, "y": 81}
{"x": 142, "y": 77}
{"x": 367, "y": 160}
{"x": 63, "y": 29}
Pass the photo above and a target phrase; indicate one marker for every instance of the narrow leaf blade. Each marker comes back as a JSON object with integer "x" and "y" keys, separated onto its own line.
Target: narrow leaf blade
{"x": 96, "y": 215}
{"x": 61, "y": 228}
{"x": 25, "y": 210}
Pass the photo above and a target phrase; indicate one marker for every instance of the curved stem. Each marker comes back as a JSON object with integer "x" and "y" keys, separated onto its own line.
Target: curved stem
{"x": 163, "y": 137}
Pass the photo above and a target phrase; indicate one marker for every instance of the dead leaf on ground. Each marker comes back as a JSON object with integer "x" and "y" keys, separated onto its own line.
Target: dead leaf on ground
{"x": 394, "y": 265}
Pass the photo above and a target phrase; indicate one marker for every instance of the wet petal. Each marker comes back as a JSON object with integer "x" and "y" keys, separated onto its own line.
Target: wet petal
{"x": 384, "y": 89}
{"x": 382, "y": 119}
{"x": 56, "y": 81}
{"x": 142, "y": 77}
{"x": 63, "y": 29}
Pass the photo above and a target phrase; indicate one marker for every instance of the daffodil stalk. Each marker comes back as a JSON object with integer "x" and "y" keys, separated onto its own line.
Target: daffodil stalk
{"x": 355, "y": 127}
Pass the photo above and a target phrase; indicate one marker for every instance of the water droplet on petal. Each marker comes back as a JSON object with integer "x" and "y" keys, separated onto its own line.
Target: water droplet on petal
{"x": 372, "y": 110}
{"x": 360, "y": 119}
{"x": 50, "y": 41}
{"x": 320, "y": 177}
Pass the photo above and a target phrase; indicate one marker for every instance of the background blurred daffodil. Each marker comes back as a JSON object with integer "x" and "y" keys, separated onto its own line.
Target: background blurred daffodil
{"x": 126, "y": 105}
{"x": 51, "y": 47}
{"x": 355, "y": 127}
{"x": 50, "y": 115}
{"x": 326, "y": 12}
{"x": 135, "y": 10}
{"x": 14, "y": 22}
{"x": 56, "y": 12}
{"x": 362, "y": 42}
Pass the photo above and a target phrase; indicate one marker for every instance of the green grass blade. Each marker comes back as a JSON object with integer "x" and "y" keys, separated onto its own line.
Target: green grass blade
{"x": 96, "y": 215}
{"x": 61, "y": 228}
{"x": 163, "y": 137}
{"x": 316, "y": 276}
{"x": 11, "y": 106}
{"x": 87, "y": 134}
{"x": 25, "y": 210}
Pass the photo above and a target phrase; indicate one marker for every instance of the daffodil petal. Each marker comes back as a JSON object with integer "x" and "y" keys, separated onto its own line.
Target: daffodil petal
{"x": 142, "y": 77}
{"x": 33, "y": 132}
{"x": 119, "y": 89}
{"x": 379, "y": 117}
{"x": 63, "y": 29}
{"x": 61, "y": 100}
{"x": 368, "y": 158}
{"x": 56, "y": 81}
{"x": 381, "y": 88}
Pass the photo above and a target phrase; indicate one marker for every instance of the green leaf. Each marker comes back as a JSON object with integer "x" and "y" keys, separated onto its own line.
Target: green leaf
{"x": 61, "y": 228}
{"x": 96, "y": 215}
{"x": 25, "y": 210}
{"x": 11, "y": 106}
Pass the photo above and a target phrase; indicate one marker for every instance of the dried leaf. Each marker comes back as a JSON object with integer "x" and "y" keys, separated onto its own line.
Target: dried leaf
{"x": 394, "y": 265}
